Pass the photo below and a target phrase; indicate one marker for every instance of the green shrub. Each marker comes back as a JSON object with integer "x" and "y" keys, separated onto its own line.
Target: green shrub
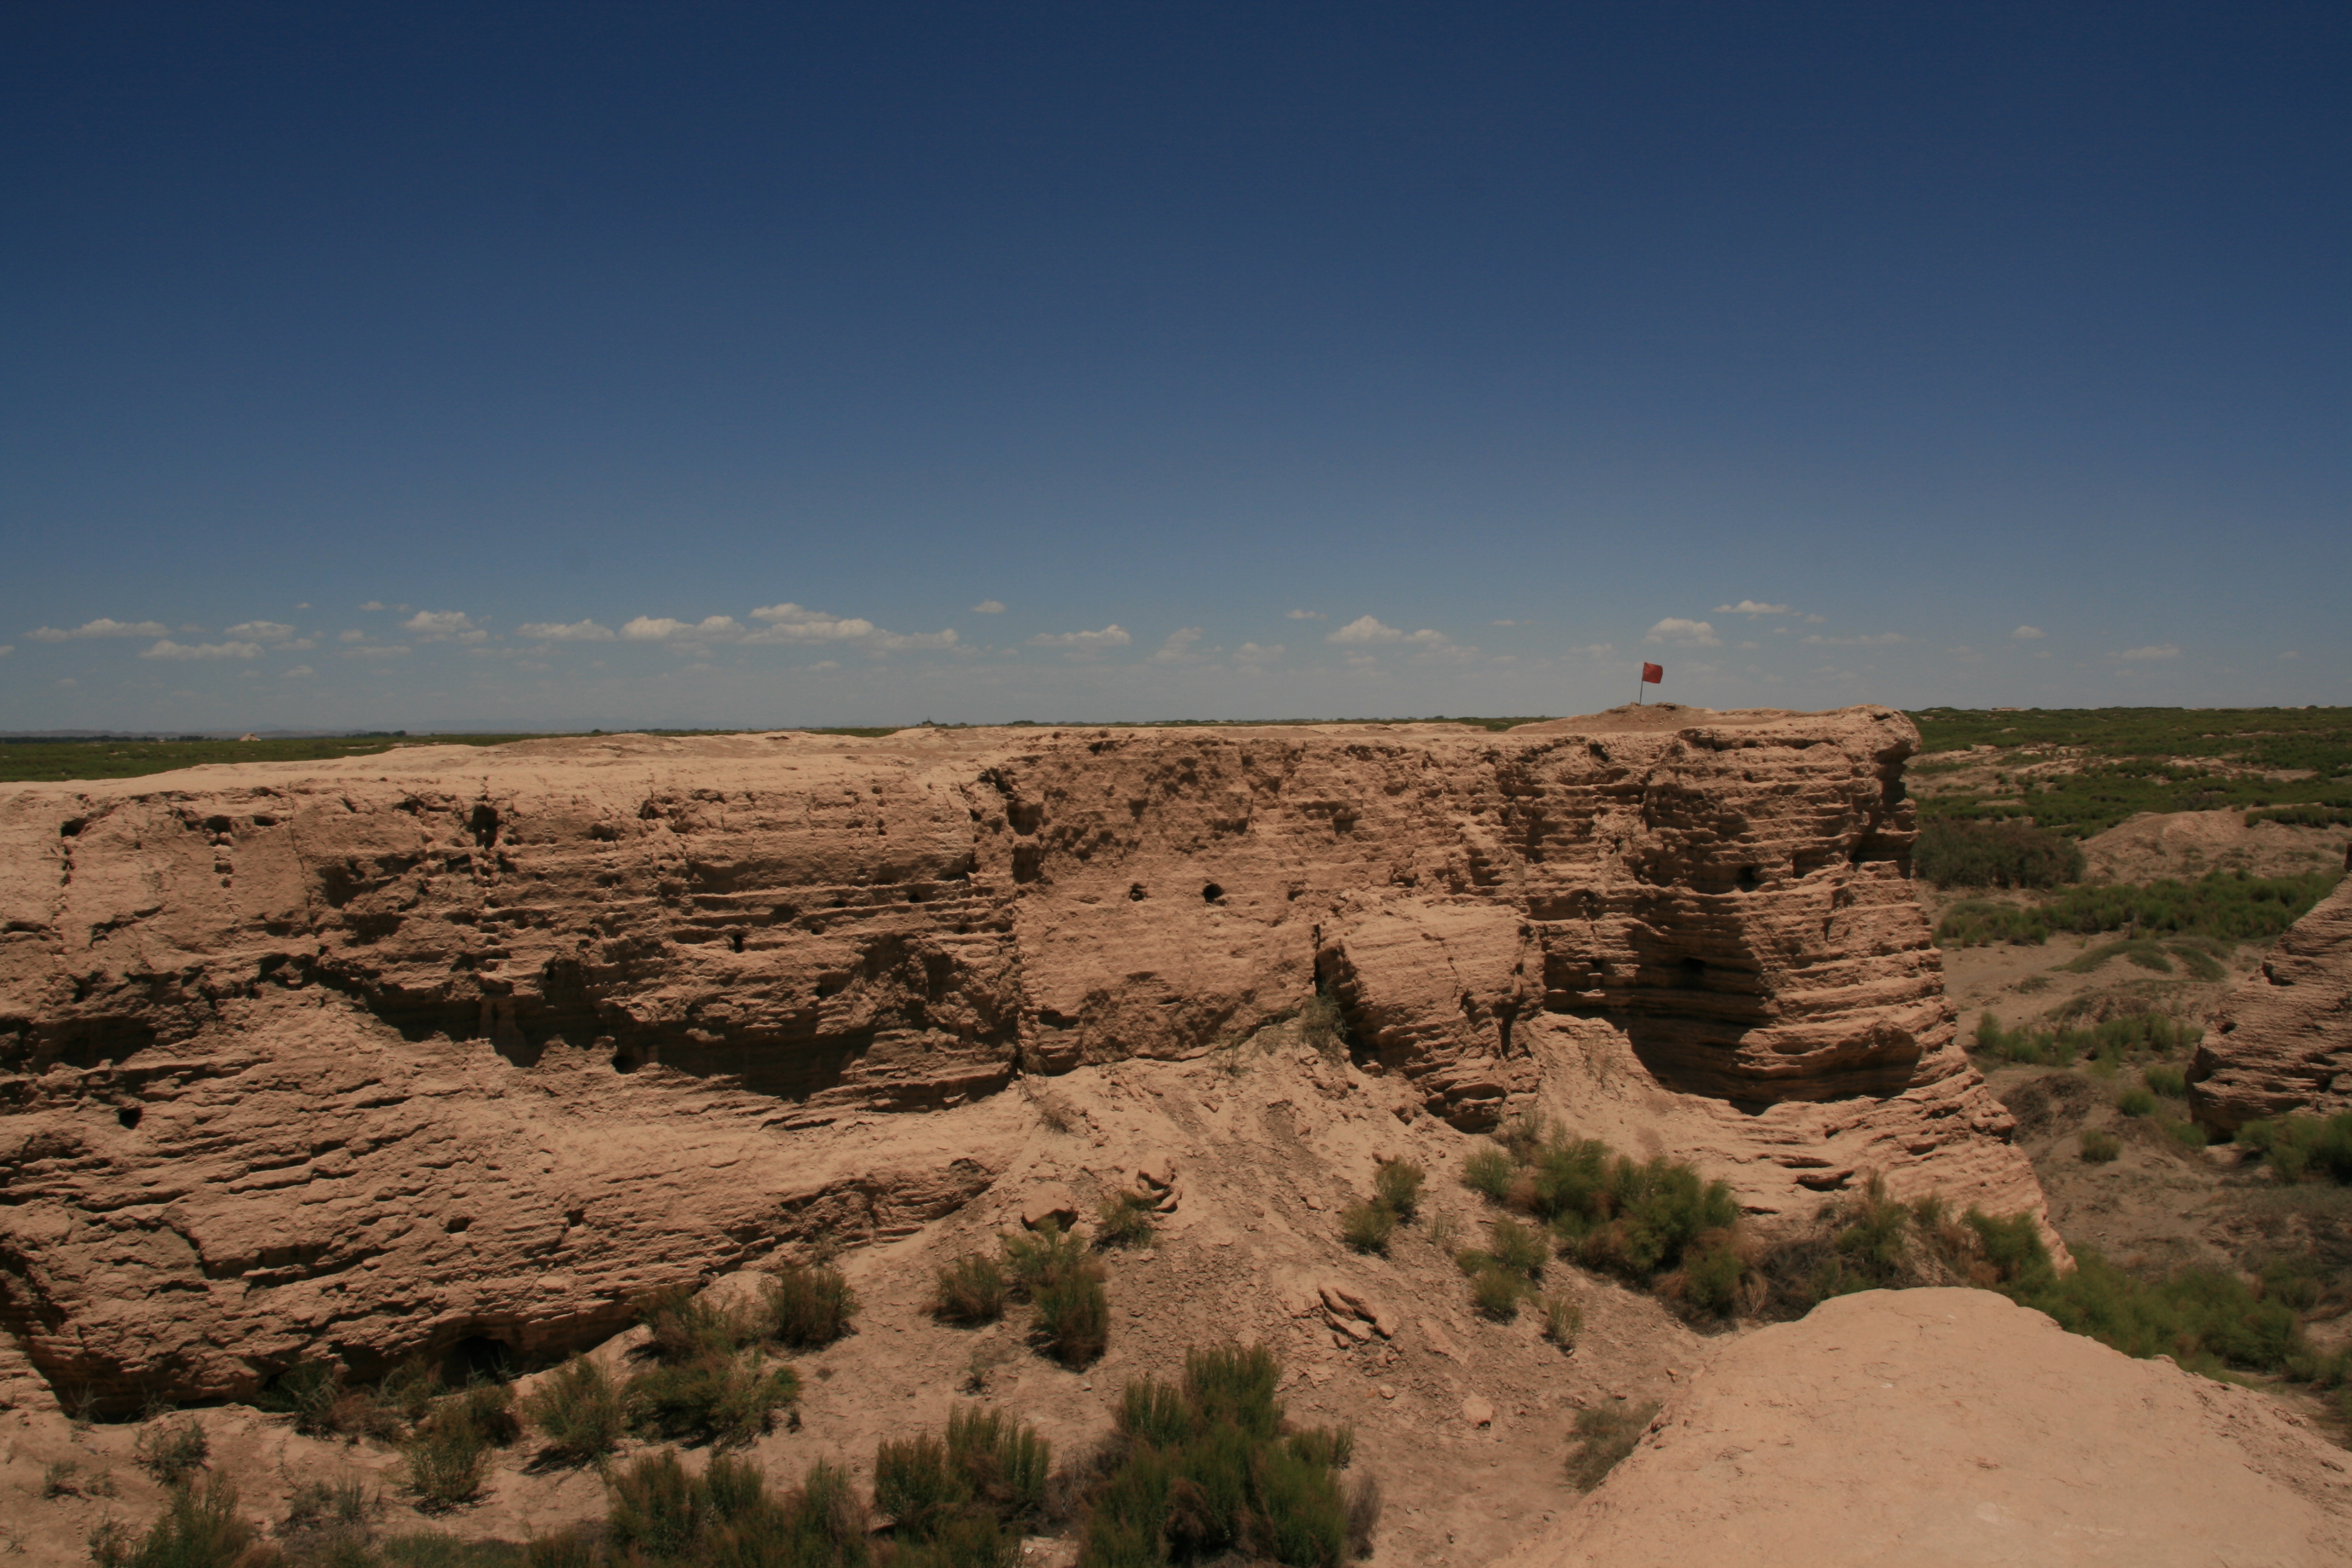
{"x": 2100, "y": 1146}
{"x": 2107, "y": 1041}
{"x": 810, "y": 1307}
{"x": 1123, "y": 1219}
{"x": 1209, "y": 1472}
{"x": 199, "y": 1528}
{"x": 1073, "y": 1323}
{"x": 1004, "y": 1462}
{"x": 969, "y": 1290}
{"x": 1712, "y": 1270}
{"x": 1605, "y": 1434}
{"x": 2168, "y": 1081}
{"x": 307, "y": 1390}
{"x": 2136, "y": 1102}
{"x": 1495, "y": 1293}
{"x": 446, "y": 1461}
{"x": 914, "y": 1484}
{"x": 1518, "y": 1248}
{"x": 2297, "y": 1146}
{"x": 1041, "y": 1257}
{"x": 1367, "y": 1228}
{"x": 726, "y": 1399}
{"x": 1489, "y": 1171}
{"x": 2221, "y": 906}
{"x": 1397, "y": 1186}
{"x": 173, "y": 1451}
{"x": 579, "y": 1412}
{"x": 408, "y": 1390}
{"x": 1322, "y": 1027}
{"x": 1959, "y": 853}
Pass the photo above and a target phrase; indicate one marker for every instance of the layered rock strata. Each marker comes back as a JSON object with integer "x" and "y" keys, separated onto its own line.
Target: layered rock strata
{"x": 2282, "y": 1040}
{"x": 386, "y": 1055}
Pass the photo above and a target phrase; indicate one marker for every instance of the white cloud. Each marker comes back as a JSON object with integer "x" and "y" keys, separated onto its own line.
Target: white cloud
{"x": 391, "y": 651}
{"x": 989, "y": 608}
{"x": 792, "y": 625}
{"x": 1258, "y": 653}
{"x": 2157, "y": 650}
{"x": 7, "y": 648}
{"x": 1749, "y": 647}
{"x": 826, "y": 664}
{"x": 2289, "y": 653}
{"x": 373, "y": 605}
{"x": 261, "y": 631}
{"x": 68, "y": 680}
{"x": 1304, "y": 615}
{"x": 565, "y": 631}
{"x": 1750, "y": 607}
{"x": 2026, "y": 634}
{"x": 1876, "y": 639}
{"x": 1080, "y": 645}
{"x": 297, "y": 673}
{"x": 1683, "y": 634}
{"x": 170, "y": 649}
{"x": 1502, "y": 623}
{"x": 440, "y": 625}
{"x": 1368, "y": 629}
{"x": 1178, "y": 649}
{"x": 1813, "y": 620}
{"x": 1596, "y": 651}
{"x": 661, "y": 628}
{"x": 101, "y": 627}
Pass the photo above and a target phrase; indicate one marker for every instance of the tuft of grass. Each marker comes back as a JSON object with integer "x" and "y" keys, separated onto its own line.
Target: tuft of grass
{"x": 2100, "y": 1146}
{"x": 2221, "y": 906}
{"x": 173, "y": 1451}
{"x": 1397, "y": 1187}
{"x": 1495, "y": 1291}
{"x": 1995, "y": 853}
{"x": 1488, "y": 1170}
{"x": 2107, "y": 1042}
{"x": 2136, "y": 1102}
{"x": 1322, "y": 1028}
{"x": 1073, "y": 1321}
{"x": 2169, "y": 1081}
{"x": 1123, "y": 1219}
{"x": 200, "y": 1527}
{"x": 1605, "y": 1434}
{"x": 1210, "y": 1471}
{"x": 1563, "y": 1318}
{"x": 1518, "y": 1248}
{"x": 1041, "y": 1257}
{"x": 726, "y": 1399}
{"x": 579, "y": 1412}
{"x": 1367, "y": 1228}
{"x": 970, "y": 1291}
{"x": 809, "y": 1307}
{"x": 446, "y": 1461}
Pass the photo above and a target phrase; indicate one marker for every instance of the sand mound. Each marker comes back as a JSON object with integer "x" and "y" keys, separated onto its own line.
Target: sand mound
{"x": 1950, "y": 1427}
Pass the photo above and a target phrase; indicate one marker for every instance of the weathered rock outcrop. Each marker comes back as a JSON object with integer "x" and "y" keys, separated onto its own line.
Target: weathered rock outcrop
{"x": 2283, "y": 1041}
{"x": 375, "y": 1056}
{"x": 1950, "y": 1427}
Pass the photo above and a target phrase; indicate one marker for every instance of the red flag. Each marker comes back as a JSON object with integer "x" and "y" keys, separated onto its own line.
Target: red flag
{"x": 1653, "y": 674}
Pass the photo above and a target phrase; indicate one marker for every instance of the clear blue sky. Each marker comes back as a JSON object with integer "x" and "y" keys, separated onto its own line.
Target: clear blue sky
{"x": 497, "y": 366}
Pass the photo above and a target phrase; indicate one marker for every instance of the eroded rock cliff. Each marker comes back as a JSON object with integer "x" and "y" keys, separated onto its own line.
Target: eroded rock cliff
{"x": 2283, "y": 1041}
{"x": 380, "y": 1056}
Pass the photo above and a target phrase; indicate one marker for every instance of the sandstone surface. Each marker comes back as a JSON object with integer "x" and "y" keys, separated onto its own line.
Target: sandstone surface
{"x": 1950, "y": 1427}
{"x": 455, "y": 1048}
{"x": 2282, "y": 1040}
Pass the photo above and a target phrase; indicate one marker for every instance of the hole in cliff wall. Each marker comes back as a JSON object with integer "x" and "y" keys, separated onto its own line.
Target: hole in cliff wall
{"x": 1750, "y": 878}
{"x": 71, "y": 826}
{"x": 1211, "y": 893}
{"x": 1690, "y": 974}
{"x": 735, "y": 939}
{"x": 1027, "y": 861}
{"x": 478, "y": 1358}
{"x": 128, "y": 1115}
{"x": 484, "y": 825}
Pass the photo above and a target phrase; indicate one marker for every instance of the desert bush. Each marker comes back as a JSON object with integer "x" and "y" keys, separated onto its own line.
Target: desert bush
{"x": 1322, "y": 1027}
{"x": 2134, "y": 1103}
{"x": 1209, "y": 1471}
{"x": 1073, "y": 1321}
{"x": 307, "y": 1390}
{"x": 173, "y": 1451}
{"x": 1605, "y": 1434}
{"x": 1563, "y": 1318}
{"x": 2221, "y": 906}
{"x": 1711, "y": 1273}
{"x": 2298, "y": 1147}
{"x": 1959, "y": 853}
{"x": 726, "y": 1399}
{"x": 445, "y": 1459}
{"x": 2099, "y": 1146}
{"x": 2169, "y": 1081}
{"x": 657, "y": 1514}
{"x": 1397, "y": 1186}
{"x": 200, "y": 1527}
{"x": 1123, "y": 1219}
{"x": 1488, "y": 1170}
{"x": 2304, "y": 815}
{"x": 1005, "y": 1461}
{"x": 1367, "y": 1227}
{"x": 1041, "y": 1257}
{"x": 969, "y": 1290}
{"x": 916, "y": 1486}
{"x": 579, "y": 1412}
{"x": 1495, "y": 1291}
{"x": 1518, "y": 1248}
{"x": 2107, "y": 1041}
{"x": 62, "y": 1477}
{"x": 809, "y": 1307}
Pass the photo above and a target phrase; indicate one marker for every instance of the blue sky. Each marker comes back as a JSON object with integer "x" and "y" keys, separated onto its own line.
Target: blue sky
{"x": 503, "y": 366}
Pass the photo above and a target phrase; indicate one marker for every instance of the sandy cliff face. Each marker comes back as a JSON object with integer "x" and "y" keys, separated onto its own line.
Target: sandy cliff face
{"x": 2282, "y": 1042}
{"x": 381, "y": 1056}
